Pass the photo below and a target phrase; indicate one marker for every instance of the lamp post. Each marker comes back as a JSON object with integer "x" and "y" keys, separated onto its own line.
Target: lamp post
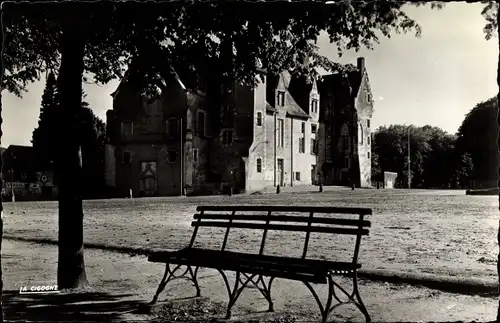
{"x": 12, "y": 179}
{"x": 182, "y": 157}
{"x": 409, "y": 160}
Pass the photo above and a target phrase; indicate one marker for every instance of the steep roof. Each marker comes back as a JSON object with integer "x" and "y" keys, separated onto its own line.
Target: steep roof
{"x": 23, "y": 155}
{"x": 339, "y": 84}
{"x": 270, "y": 108}
{"x": 293, "y": 109}
{"x": 299, "y": 83}
{"x": 172, "y": 72}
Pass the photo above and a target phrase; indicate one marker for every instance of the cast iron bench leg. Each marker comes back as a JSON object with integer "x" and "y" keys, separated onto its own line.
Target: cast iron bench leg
{"x": 264, "y": 289}
{"x": 236, "y": 292}
{"x": 353, "y": 297}
{"x": 163, "y": 283}
{"x": 359, "y": 303}
{"x": 170, "y": 275}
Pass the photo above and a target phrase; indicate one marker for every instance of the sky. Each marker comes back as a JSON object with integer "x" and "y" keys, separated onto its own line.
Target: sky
{"x": 432, "y": 80}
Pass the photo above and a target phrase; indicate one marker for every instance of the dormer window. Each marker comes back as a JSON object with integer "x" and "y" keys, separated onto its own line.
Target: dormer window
{"x": 314, "y": 106}
{"x": 281, "y": 99}
{"x": 259, "y": 119}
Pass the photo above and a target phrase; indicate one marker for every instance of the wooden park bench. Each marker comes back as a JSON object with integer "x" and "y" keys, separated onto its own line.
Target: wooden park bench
{"x": 252, "y": 268}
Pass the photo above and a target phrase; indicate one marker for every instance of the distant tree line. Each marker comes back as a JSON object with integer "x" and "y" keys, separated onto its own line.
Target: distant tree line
{"x": 439, "y": 159}
{"x": 93, "y": 135}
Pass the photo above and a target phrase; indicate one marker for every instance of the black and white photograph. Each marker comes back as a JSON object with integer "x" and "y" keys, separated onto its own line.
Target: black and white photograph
{"x": 249, "y": 161}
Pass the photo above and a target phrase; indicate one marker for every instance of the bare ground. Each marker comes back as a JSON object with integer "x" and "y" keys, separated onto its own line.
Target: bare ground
{"x": 436, "y": 232}
{"x": 121, "y": 284}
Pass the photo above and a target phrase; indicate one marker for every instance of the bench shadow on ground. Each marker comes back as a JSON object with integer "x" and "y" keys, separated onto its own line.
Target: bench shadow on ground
{"x": 76, "y": 307}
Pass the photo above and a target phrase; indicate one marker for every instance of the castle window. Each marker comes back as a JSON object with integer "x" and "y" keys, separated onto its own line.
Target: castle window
{"x": 345, "y": 143}
{"x": 297, "y": 176}
{"x": 227, "y": 136}
{"x": 259, "y": 119}
{"x": 126, "y": 157}
{"x": 281, "y": 133}
{"x": 281, "y": 98}
{"x": 171, "y": 127}
{"x": 368, "y": 155}
{"x": 303, "y": 128}
{"x": 345, "y": 131}
{"x": 368, "y": 139}
{"x": 201, "y": 123}
{"x": 302, "y": 143}
{"x": 368, "y": 123}
{"x": 360, "y": 134}
{"x": 314, "y": 147}
{"x": 195, "y": 155}
{"x": 259, "y": 165}
{"x": 171, "y": 156}
{"x": 314, "y": 105}
{"x": 313, "y": 128}
{"x": 345, "y": 137}
{"x": 127, "y": 129}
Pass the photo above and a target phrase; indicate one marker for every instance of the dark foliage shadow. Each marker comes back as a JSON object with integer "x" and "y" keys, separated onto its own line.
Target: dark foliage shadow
{"x": 77, "y": 307}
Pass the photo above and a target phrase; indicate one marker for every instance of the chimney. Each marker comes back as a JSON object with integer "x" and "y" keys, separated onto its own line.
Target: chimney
{"x": 361, "y": 64}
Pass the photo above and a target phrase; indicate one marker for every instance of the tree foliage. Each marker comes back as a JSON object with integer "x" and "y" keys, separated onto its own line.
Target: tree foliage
{"x": 91, "y": 128}
{"x": 431, "y": 154}
{"x": 178, "y": 32}
{"x": 44, "y": 135}
{"x": 477, "y": 137}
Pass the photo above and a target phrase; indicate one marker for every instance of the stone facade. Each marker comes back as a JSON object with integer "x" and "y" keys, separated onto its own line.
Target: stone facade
{"x": 273, "y": 134}
{"x": 344, "y": 147}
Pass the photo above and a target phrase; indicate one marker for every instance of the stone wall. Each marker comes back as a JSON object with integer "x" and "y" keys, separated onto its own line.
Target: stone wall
{"x": 364, "y": 108}
{"x": 109, "y": 165}
{"x": 261, "y": 144}
{"x": 168, "y": 175}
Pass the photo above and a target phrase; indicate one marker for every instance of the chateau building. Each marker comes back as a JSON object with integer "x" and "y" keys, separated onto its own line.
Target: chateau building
{"x": 285, "y": 131}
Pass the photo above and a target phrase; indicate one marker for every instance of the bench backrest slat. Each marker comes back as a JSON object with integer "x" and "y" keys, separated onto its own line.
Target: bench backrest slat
{"x": 358, "y": 243}
{"x": 303, "y": 219}
{"x": 195, "y": 231}
{"x": 308, "y": 235}
{"x": 280, "y": 227}
{"x": 285, "y": 208}
{"x": 227, "y": 230}
{"x": 264, "y": 235}
{"x": 281, "y": 218}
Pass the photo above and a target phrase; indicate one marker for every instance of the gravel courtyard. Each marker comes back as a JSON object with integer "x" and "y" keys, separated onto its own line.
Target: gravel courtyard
{"x": 438, "y": 232}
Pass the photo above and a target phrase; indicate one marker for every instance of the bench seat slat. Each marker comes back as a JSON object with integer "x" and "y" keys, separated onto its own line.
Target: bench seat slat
{"x": 216, "y": 258}
{"x": 285, "y": 208}
{"x": 281, "y": 227}
{"x": 318, "y": 278}
{"x": 282, "y": 218}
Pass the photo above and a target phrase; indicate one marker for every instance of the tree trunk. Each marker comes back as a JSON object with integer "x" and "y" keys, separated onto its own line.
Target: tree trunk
{"x": 71, "y": 266}
{"x": 498, "y": 143}
{"x": 1, "y": 214}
